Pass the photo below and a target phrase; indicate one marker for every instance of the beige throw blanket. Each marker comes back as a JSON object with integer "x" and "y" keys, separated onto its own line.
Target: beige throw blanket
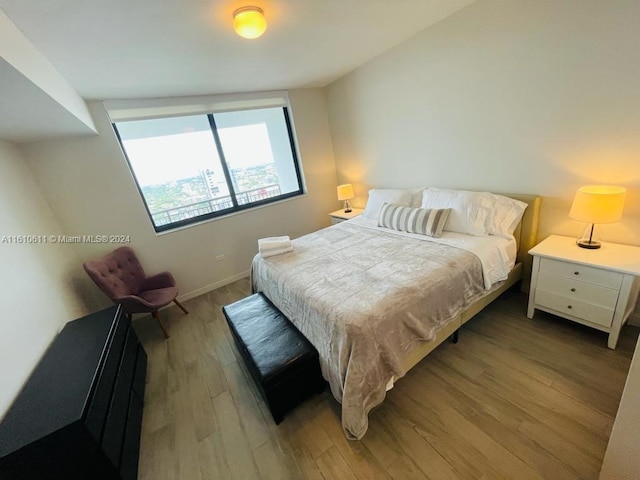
{"x": 364, "y": 298}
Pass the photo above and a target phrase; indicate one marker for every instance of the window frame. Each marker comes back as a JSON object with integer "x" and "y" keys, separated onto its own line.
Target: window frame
{"x": 236, "y": 207}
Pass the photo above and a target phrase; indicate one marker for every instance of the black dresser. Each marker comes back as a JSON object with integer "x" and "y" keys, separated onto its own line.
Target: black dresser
{"x": 79, "y": 415}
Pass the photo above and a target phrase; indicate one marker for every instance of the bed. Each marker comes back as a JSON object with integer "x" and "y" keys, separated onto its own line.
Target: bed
{"x": 374, "y": 301}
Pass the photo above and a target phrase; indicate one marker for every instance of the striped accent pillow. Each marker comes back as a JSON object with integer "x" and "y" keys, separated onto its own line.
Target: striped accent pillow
{"x": 425, "y": 221}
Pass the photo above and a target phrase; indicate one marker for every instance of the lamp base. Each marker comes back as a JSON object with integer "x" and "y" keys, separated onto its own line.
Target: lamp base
{"x": 588, "y": 239}
{"x": 347, "y": 207}
{"x": 590, "y": 244}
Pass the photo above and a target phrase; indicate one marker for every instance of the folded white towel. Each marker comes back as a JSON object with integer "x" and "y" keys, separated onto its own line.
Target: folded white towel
{"x": 274, "y": 246}
{"x": 276, "y": 251}
{"x": 274, "y": 243}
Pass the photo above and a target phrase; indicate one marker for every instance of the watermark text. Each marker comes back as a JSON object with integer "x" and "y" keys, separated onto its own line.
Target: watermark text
{"x": 58, "y": 239}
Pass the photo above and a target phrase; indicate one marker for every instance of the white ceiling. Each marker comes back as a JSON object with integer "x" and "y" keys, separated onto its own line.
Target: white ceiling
{"x": 108, "y": 49}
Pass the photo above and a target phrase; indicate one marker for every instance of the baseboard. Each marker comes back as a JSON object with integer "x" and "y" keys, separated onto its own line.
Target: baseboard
{"x": 212, "y": 286}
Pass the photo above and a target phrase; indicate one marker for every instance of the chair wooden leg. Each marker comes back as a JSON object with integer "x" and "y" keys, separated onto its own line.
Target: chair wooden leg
{"x": 157, "y": 317}
{"x": 180, "y": 305}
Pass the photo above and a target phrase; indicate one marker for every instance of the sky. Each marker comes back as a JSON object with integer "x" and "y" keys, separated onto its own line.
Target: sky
{"x": 166, "y": 158}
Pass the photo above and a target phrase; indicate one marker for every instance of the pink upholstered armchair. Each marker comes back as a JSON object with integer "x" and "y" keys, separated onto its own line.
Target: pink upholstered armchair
{"x": 121, "y": 277}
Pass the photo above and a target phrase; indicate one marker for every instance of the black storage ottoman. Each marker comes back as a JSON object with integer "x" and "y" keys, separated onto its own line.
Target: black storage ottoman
{"x": 282, "y": 361}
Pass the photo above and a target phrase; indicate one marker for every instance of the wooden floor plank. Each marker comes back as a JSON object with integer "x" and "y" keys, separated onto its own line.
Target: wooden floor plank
{"x": 201, "y": 404}
{"x": 292, "y": 434}
{"x": 247, "y": 406}
{"x": 234, "y": 440}
{"x": 274, "y": 464}
{"x": 478, "y": 405}
{"x": 567, "y": 452}
{"x": 515, "y": 398}
{"x": 381, "y": 442}
{"x": 185, "y": 442}
{"x": 213, "y": 463}
{"x": 334, "y": 467}
{"x": 361, "y": 461}
{"x": 511, "y": 379}
{"x": 313, "y": 437}
{"x": 461, "y": 458}
{"x": 432, "y": 464}
{"x": 403, "y": 468}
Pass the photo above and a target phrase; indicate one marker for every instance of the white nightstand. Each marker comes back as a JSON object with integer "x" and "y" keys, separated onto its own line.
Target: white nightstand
{"x": 598, "y": 288}
{"x": 339, "y": 215}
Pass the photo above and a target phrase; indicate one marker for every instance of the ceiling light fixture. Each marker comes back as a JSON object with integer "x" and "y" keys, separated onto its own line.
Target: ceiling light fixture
{"x": 249, "y": 22}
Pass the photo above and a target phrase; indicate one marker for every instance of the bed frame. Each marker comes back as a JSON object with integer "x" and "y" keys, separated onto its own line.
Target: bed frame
{"x": 526, "y": 235}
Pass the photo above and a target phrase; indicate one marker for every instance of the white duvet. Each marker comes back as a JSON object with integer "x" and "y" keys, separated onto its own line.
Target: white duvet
{"x": 497, "y": 254}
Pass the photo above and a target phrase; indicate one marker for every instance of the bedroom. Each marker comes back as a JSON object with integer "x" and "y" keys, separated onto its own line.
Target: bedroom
{"x": 500, "y": 96}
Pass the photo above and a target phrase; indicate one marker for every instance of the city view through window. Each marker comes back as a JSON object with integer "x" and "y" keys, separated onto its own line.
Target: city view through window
{"x": 181, "y": 176}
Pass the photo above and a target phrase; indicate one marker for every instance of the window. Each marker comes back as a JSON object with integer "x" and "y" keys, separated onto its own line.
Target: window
{"x": 190, "y": 168}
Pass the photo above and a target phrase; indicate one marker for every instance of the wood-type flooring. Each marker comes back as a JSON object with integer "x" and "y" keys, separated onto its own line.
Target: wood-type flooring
{"x": 513, "y": 399}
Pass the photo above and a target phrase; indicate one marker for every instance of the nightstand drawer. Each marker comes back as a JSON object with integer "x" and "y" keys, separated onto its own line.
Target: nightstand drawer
{"x": 583, "y": 273}
{"x": 576, "y": 308}
{"x": 576, "y": 290}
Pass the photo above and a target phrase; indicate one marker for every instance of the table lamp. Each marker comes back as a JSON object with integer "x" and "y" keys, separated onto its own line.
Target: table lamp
{"x": 345, "y": 192}
{"x": 596, "y": 204}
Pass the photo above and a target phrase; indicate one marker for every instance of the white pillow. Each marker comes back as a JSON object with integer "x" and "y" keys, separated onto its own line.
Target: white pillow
{"x": 506, "y": 214}
{"x": 416, "y": 196}
{"x": 470, "y": 211}
{"x": 379, "y": 196}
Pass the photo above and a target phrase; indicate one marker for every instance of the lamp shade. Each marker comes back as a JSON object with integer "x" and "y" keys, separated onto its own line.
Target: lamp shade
{"x": 345, "y": 192}
{"x": 598, "y": 204}
{"x": 249, "y": 22}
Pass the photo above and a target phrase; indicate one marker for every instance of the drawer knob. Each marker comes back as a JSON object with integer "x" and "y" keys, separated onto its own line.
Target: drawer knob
{"x": 573, "y": 289}
{"x": 576, "y": 273}
{"x": 569, "y": 307}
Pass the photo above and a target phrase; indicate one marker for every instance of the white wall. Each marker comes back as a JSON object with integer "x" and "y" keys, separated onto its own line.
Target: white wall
{"x": 38, "y": 294}
{"x": 509, "y": 96}
{"x": 622, "y": 459}
{"x": 88, "y": 185}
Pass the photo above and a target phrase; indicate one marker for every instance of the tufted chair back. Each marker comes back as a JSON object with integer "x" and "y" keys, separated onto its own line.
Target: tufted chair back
{"x": 118, "y": 273}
